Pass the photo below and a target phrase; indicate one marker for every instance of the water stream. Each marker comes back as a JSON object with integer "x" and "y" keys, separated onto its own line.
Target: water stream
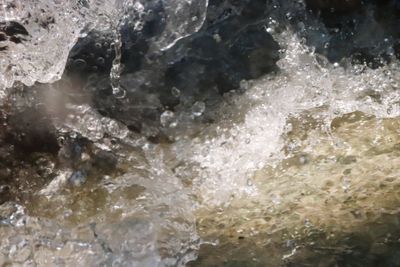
{"x": 126, "y": 141}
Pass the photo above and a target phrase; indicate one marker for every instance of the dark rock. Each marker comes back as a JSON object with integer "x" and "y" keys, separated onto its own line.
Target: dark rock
{"x": 338, "y": 6}
{"x": 31, "y": 131}
{"x": 92, "y": 54}
{"x": 231, "y": 46}
{"x": 361, "y": 31}
{"x": 97, "y": 49}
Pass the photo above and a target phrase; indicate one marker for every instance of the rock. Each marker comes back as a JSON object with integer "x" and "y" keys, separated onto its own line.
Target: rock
{"x": 91, "y": 54}
{"x": 360, "y": 31}
{"x": 231, "y": 46}
{"x": 31, "y": 131}
{"x": 341, "y": 6}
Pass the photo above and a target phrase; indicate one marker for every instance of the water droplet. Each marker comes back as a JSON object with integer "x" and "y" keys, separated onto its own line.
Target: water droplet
{"x": 175, "y": 92}
{"x": 78, "y": 178}
{"x": 167, "y": 118}
{"x": 346, "y": 183}
{"x": 100, "y": 60}
{"x": 198, "y": 108}
{"x": 389, "y": 110}
{"x": 80, "y": 64}
{"x": 217, "y": 37}
{"x": 98, "y": 45}
{"x": 61, "y": 140}
{"x": 73, "y": 135}
{"x": 303, "y": 159}
{"x": 276, "y": 199}
{"x": 119, "y": 92}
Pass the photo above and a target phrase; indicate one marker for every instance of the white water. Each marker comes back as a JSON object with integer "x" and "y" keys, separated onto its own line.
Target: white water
{"x": 55, "y": 26}
{"x": 155, "y": 224}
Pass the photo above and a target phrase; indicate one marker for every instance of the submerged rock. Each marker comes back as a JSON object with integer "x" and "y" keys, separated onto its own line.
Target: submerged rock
{"x": 33, "y": 150}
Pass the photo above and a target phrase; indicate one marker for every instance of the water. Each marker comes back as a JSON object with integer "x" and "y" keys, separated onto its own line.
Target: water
{"x": 296, "y": 168}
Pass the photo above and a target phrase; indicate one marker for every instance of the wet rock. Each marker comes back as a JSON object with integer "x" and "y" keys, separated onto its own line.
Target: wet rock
{"x": 91, "y": 54}
{"x": 31, "y": 131}
{"x": 342, "y": 6}
{"x": 231, "y": 46}
{"x": 97, "y": 49}
{"x": 104, "y": 161}
{"x": 70, "y": 154}
{"x": 360, "y": 32}
{"x": 28, "y": 146}
{"x": 89, "y": 162}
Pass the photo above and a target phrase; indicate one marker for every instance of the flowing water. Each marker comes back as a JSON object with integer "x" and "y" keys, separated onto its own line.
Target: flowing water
{"x": 298, "y": 167}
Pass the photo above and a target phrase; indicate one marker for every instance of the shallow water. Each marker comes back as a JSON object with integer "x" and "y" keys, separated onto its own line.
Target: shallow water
{"x": 297, "y": 168}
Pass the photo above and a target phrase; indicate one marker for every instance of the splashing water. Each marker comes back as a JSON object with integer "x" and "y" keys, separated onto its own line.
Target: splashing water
{"x": 290, "y": 167}
{"x": 53, "y": 27}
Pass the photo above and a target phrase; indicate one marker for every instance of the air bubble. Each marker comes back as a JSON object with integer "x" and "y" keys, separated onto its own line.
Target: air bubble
{"x": 100, "y": 60}
{"x": 167, "y": 118}
{"x": 73, "y": 135}
{"x": 80, "y": 64}
{"x": 276, "y": 199}
{"x": 346, "y": 183}
{"x": 119, "y": 92}
{"x": 78, "y": 178}
{"x": 198, "y": 108}
{"x": 175, "y": 92}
